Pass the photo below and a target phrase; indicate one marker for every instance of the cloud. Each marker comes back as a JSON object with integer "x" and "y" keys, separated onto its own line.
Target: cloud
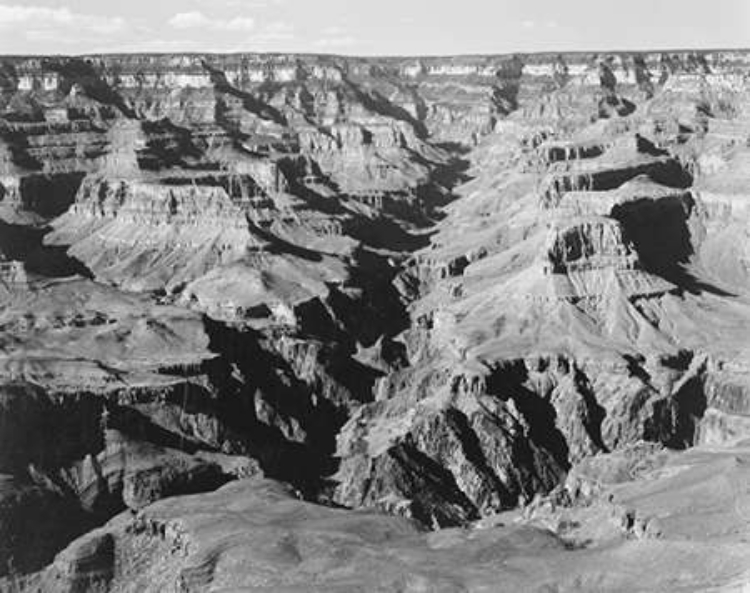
{"x": 197, "y": 20}
{"x": 43, "y": 35}
{"x": 43, "y": 17}
{"x": 330, "y": 42}
{"x": 188, "y": 20}
{"x": 335, "y": 36}
{"x": 155, "y": 45}
{"x": 240, "y": 23}
{"x": 276, "y": 31}
{"x": 276, "y": 35}
{"x": 528, "y": 24}
{"x": 246, "y": 4}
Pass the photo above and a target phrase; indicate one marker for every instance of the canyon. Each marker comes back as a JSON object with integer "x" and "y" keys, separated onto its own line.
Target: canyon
{"x": 321, "y": 323}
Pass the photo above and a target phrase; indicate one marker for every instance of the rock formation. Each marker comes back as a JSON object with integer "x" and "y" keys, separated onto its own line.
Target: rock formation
{"x": 253, "y": 305}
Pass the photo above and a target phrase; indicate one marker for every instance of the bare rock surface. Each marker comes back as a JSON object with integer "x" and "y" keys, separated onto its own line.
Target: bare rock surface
{"x": 681, "y": 525}
{"x": 504, "y": 298}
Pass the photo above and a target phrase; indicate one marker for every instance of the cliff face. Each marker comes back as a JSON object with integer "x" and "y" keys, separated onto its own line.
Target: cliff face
{"x": 434, "y": 287}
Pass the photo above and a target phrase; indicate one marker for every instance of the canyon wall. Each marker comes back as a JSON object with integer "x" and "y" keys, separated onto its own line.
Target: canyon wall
{"x": 433, "y": 287}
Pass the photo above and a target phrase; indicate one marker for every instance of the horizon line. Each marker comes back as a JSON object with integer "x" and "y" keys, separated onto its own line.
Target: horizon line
{"x": 702, "y": 50}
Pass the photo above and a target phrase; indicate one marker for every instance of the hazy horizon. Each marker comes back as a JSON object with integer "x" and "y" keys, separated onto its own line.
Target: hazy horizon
{"x": 383, "y": 28}
{"x": 177, "y": 51}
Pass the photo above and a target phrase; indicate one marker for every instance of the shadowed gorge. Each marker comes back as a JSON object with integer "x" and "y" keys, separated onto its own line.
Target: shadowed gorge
{"x": 318, "y": 323}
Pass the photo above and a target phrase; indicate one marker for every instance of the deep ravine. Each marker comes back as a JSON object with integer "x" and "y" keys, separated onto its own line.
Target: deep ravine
{"x": 421, "y": 294}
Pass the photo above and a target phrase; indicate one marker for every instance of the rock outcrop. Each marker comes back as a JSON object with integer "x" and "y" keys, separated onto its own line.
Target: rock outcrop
{"x": 597, "y": 532}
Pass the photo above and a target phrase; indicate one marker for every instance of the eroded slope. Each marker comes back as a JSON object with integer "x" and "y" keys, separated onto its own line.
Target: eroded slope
{"x": 428, "y": 287}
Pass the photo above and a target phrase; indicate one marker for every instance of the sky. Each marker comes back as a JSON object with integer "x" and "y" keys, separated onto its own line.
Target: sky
{"x": 369, "y": 27}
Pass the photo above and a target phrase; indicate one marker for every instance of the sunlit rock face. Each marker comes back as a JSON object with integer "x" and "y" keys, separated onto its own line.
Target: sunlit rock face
{"x": 437, "y": 288}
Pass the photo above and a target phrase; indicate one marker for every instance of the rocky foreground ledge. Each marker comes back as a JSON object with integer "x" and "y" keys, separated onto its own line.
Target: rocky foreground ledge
{"x": 652, "y": 521}
{"x": 323, "y": 323}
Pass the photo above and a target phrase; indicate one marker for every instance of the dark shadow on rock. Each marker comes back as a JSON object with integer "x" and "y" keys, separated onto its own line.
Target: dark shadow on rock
{"x": 47, "y": 195}
{"x": 37, "y": 523}
{"x": 691, "y": 404}
{"x": 643, "y": 76}
{"x": 506, "y": 90}
{"x": 280, "y": 246}
{"x": 614, "y": 105}
{"x": 167, "y": 145}
{"x": 676, "y": 418}
{"x": 250, "y": 102}
{"x": 289, "y": 425}
{"x": 437, "y": 501}
{"x": 380, "y": 311}
{"x": 26, "y": 244}
{"x": 294, "y": 171}
{"x": 375, "y": 102}
{"x": 81, "y": 72}
{"x": 139, "y": 427}
{"x": 506, "y": 383}
{"x": 386, "y": 233}
{"x": 541, "y": 417}
{"x": 18, "y": 146}
{"x": 472, "y": 449}
{"x": 595, "y": 413}
{"x": 645, "y": 146}
{"x": 40, "y": 429}
{"x": 659, "y": 232}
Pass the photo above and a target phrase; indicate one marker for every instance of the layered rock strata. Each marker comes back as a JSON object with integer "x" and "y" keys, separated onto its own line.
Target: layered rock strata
{"x": 429, "y": 287}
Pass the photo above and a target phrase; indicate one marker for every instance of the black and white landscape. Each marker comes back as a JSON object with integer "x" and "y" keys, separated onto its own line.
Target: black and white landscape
{"x": 302, "y": 322}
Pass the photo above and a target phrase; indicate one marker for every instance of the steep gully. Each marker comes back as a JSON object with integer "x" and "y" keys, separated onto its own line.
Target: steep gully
{"x": 364, "y": 373}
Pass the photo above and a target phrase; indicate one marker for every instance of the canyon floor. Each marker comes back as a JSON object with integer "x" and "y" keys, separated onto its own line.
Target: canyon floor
{"x": 320, "y": 323}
